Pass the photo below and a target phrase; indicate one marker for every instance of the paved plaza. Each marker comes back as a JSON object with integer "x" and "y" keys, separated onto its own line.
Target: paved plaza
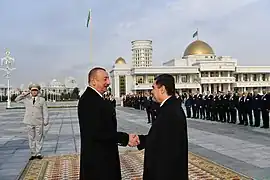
{"x": 243, "y": 149}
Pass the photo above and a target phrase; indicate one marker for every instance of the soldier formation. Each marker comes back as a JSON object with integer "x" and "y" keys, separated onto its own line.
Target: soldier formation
{"x": 144, "y": 102}
{"x": 111, "y": 99}
{"x": 242, "y": 108}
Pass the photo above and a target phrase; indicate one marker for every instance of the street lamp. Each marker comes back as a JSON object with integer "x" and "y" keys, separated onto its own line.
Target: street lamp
{"x": 7, "y": 65}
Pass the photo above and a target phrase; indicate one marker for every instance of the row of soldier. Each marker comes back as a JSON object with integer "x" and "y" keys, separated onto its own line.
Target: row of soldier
{"x": 244, "y": 108}
{"x": 144, "y": 102}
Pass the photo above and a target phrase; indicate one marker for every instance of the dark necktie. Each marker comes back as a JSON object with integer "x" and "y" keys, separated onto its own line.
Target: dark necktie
{"x": 34, "y": 100}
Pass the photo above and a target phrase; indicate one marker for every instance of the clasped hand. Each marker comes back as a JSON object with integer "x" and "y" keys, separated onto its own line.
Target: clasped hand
{"x": 133, "y": 140}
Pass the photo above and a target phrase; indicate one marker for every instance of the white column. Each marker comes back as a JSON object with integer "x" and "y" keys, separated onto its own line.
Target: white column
{"x": 126, "y": 82}
{"x": 209, "y": 88}
{"x": 117, "y": 95}
{"x": 219, "y": 87}
{"x": 219, "y": 74}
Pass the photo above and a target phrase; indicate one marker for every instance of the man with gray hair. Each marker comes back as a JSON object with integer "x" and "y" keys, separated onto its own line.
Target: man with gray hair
{"x": 35, "y": 118}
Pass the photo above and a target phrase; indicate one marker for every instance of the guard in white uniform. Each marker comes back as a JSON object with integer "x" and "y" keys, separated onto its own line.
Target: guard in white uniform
{"x": 35, "y": 118}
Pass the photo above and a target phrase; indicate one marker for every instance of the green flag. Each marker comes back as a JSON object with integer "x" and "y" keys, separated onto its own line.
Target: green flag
{"x": 195, "y": 34}
{"x": 89, "y": 18}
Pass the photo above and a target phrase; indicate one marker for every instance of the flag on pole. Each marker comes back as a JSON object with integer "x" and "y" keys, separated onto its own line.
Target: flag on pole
{"x": 195, "y": 34}
{"x": 89, "y": 18}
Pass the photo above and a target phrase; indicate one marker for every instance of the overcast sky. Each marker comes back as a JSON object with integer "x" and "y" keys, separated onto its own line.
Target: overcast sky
{"x": 49, "y": 39}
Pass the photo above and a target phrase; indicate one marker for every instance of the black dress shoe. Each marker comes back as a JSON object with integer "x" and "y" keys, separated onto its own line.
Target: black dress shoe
{"x": 39, "y": 157}
{"x": 32, "y": 158}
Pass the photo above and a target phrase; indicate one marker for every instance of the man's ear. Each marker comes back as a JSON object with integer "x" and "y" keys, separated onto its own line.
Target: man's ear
{"x": 162, "y": 89}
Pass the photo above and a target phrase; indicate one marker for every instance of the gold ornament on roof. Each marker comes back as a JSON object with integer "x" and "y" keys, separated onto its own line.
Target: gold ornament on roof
{"x": 120, "y": 60}
{"x": 198, "y": 47}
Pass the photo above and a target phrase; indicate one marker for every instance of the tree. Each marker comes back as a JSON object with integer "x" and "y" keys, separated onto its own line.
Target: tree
{"x": 75, "y": 93}
{"x": 13, "y": 97}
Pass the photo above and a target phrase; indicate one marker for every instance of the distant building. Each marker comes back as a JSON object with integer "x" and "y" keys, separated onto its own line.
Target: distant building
{"x": 4, "y": 92}
{"x": 141, "y": 53}
{"x": 56, "y": 90}
{"x": 199, "y": 69}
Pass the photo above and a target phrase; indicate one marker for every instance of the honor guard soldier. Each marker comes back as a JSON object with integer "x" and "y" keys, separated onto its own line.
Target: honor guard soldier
{"x": 232, "y": 103}
{"x": 265, "y": 100}
{"x": 257, "y": 107}
{"x": 35, "y": 118}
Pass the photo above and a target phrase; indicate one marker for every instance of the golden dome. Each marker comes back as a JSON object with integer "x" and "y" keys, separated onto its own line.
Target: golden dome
{"x": 120, "y": 60}
{"x": 198, "y": 47}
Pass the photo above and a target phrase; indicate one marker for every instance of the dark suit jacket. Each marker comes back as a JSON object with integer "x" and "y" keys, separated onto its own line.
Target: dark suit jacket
{"x": 99, "y": 138}
{"x": 166, "y": 145}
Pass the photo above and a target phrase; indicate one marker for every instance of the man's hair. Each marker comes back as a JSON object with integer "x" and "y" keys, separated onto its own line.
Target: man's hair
{"x": 167, "y": 81}
{"x": 93, "y": 72}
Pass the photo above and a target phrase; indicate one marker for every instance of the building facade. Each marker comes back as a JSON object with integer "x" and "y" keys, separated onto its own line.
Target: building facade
{"x": 198, "y": 70}
{"x": 141, "y": 53}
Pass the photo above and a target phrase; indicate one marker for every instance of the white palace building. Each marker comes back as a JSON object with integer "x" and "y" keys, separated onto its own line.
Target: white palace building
{"x": 198, "y": 70}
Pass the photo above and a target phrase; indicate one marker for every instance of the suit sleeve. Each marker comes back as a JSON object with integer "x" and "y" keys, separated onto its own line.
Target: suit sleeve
{"x": 20, "y": 98}
{"x": 142, "y": 138}
{"x": 94, "y": 125}
{"x": 122, "y": 138}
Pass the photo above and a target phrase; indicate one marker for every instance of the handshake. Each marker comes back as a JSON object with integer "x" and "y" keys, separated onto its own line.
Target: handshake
{"x": 133, "y": 140}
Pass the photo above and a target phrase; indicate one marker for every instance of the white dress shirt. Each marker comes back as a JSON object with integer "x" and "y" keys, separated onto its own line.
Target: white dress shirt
{"x": 97, "y": 91}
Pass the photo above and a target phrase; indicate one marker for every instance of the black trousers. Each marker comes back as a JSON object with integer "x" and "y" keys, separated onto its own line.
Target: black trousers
{"x": 188, "y": 109}
{"x": 149, "y": 115}
{"x": 194, "y": 111}
{"x": 201, "y": 111}
{"x": 214, "y": 114}
{"x": 233, "y": 115}
{"x": 250, "y": 117}
{"x": 207, "y": 112}
{"x": 240, "y": 116}
{"x": 228, "y": 114}
{"x": 265, "y": 117}
{"x": 257, "y": 117}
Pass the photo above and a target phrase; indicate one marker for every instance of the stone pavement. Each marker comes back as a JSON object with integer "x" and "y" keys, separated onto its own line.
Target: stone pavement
{"x": 243, "y": 149}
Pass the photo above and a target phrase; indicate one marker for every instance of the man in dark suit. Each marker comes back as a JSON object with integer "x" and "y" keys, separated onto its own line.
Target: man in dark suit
{"x": 166, "y": 145}
{"x": 265, "y": 109}
{"x": 147, "y": 106}
{"x": 256, "y": 106}
{"x": 98, "y": 128}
